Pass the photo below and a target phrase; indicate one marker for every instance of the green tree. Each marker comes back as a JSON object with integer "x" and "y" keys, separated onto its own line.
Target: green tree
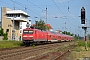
{"x": 41, "y": 25}
{"x": 64, "y": 32}
{"x": 5, "y": 36}
{"x": 36, "y": 22}
{"x": 67, "y": 33}
{"x": 72, "y": 34}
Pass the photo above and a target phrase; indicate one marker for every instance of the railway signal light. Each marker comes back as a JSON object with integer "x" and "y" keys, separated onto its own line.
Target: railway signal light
{"x": 82, "y": 15}
{"x": 82, "y": 21}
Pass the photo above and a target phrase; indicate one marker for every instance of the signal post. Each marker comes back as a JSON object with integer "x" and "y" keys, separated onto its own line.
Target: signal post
{"x": 84, "y": 27}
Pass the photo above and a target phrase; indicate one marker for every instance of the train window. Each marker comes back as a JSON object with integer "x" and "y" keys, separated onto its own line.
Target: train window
{"x": 50, "y": 35}
{"x": 7, "y": 30}
{"x": 58, "y": 36}
{"x": 25, "y": 31}
{"x": 30, "y": 31}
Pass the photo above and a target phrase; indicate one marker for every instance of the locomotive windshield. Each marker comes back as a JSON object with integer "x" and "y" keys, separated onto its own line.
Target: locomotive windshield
{"x": 28, "y": 31}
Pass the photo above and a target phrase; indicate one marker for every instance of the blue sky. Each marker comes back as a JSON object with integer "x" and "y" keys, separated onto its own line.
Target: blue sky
{"x": 55, "y": 8}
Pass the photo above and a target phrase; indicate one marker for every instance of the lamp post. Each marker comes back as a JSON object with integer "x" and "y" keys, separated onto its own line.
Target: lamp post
{"x": 46, "y": 20}
{"x": 65, "y": 28}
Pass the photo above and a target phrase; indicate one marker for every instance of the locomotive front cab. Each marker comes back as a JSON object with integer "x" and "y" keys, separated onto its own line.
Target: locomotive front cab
{"x": 28, "y": 36}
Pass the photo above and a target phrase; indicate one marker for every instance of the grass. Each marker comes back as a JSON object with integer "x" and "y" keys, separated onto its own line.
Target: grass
{"x": 10, "y": 44}
{"x": 79, "y": 52}
{"x": 82, "y": 43}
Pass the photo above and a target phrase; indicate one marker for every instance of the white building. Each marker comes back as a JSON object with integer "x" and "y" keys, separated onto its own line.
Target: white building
{"x": 23, "y": 25}
{"x": 10, "y": 22}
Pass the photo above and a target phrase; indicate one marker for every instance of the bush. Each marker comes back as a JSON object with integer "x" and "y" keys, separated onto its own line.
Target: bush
{"x": 1, "y": 31}
{"x": 3, "y": 34}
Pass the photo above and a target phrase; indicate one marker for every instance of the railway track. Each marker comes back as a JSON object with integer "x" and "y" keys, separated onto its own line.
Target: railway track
{"x": 57, "y": 55}
{"x": 27, "y": 53}
{"x": 67, "y": 51}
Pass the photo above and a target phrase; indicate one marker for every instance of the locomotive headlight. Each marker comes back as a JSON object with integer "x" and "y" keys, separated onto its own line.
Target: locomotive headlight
{"x": 24, "y": 36}
{"x": 30, "y": 36}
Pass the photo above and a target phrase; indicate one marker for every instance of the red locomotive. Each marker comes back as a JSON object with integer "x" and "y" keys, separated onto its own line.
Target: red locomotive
{"x": 31, "y": 35}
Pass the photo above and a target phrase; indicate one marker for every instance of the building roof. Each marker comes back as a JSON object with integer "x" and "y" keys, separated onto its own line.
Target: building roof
{"x": 17, "y": 12}
{"x": 49, "y": 26}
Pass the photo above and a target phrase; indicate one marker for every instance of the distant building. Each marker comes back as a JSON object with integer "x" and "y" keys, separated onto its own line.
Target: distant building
{"x": 50, "y": 27}
{"x": 23, "y": 25}
{"x": 59, "y": 31}
{"x": 10, "y": 21}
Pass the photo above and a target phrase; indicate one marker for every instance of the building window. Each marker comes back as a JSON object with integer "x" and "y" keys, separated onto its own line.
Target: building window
{"x": 13, "y": 15}
{"x": 20, "y": 27}
{"x": 20, "y": 31}
{"x": 18, "y": 15}
{"x": 7, "y": 30}
{"x": 20, "y": 23}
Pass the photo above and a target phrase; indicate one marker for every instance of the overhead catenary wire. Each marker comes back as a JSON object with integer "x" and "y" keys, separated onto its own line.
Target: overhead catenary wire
{"x": 68, "y": 11}
{"x": 35, "y": 5}
{"x": 62, "y": 12}
{"x": 58, "y": 7}
{"x": 29, "y": 9}
{"x": 39, "y": 8}
{"x": 24, "y": 7}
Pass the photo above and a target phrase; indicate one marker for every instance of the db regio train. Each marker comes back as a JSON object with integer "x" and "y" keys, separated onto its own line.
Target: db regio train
{"x": 32, "y": 35}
